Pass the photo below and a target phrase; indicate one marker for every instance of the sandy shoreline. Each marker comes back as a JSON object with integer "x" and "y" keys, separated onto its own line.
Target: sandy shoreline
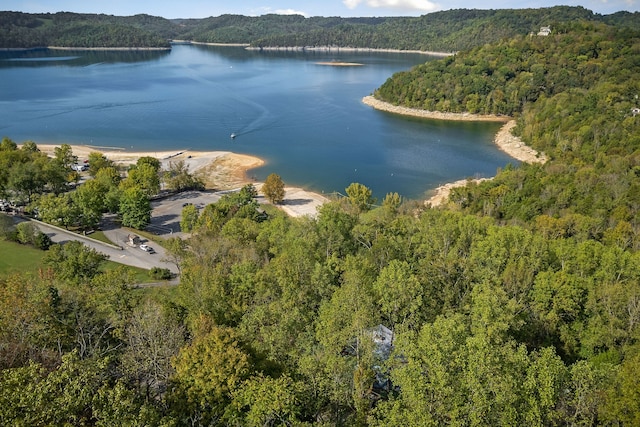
{"x": 225, "y": 170}
{"x": 504, "y": 140}
{"x": 344, "y": 49}
{"x": 340, "y": 64}
{"x": 220, "y": 170}
{"x": 107, "y": 49}
{"x": 515, "y": 147}
{"x": 425, "y": 114}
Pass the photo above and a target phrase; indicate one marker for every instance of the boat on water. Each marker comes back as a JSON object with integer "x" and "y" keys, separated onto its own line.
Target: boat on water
{"x": 233, "y": 136}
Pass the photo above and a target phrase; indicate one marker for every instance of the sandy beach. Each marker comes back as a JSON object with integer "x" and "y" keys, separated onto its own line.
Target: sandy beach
{"x": 504, "y": 140}
{"x": 220, "y": 170}
{"x": 425, "y": 114}
{"x": 224, "y": 170}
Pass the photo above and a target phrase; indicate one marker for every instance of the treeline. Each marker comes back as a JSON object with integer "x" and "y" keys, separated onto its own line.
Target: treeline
{"x": 504, "y": 77}
{"x": 47, "y": 187}
{"x": 574, "y": 98}
{"x": 21, "y": 30}
{"x": 445, "y": 31}
{"x": 448, "y": 31}
{"x": 385, "y": 316}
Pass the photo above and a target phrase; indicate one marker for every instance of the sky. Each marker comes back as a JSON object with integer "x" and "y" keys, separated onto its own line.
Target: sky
{"x": 344, "y": 8}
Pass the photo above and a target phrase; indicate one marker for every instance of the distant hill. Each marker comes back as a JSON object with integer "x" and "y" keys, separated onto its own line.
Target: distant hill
{"x": 22, "y": 30}
{"x": 452, "y": 30}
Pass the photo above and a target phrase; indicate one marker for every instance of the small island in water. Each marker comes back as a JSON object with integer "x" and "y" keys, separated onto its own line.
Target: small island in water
{"x": 340, "y": 64}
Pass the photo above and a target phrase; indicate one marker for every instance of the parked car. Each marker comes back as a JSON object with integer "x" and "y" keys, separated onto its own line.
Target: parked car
{"x": 147, "y": 248}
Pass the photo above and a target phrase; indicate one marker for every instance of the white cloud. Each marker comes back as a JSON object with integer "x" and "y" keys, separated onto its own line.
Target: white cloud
{"x": 267, "y": 10}
{"x": 290, "y": 12}
{"x": 351, "y": 4}
{"x": 408, "y": 5}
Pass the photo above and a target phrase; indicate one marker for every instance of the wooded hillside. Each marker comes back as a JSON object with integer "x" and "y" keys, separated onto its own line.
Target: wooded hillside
{"x": 575, "y": 99}
{"x": 21, "y": 30}
{"x": 448, "y": 31}
{"x": 518, "y": 303}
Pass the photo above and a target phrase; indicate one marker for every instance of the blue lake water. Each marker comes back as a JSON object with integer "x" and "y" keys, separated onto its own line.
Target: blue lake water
{"x": 305, "y": 120}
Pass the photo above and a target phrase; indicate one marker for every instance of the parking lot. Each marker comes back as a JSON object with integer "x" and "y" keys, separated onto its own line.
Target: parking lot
{"x": 166, "y": 214}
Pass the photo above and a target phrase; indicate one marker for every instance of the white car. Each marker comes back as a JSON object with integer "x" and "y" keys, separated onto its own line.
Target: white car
{"x": 147, "y": 248}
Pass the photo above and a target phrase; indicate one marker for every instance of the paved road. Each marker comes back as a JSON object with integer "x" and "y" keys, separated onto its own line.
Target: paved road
{"x": 132, "y": 256}
{"x": 165, "y": 221}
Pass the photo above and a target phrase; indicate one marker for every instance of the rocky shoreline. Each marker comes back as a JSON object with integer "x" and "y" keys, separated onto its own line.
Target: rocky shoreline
{"x": 438, "y": 115}
{"x": 117, "y": 49}
{"x": 343, "y": 49}
{"x": 504, "y": 140}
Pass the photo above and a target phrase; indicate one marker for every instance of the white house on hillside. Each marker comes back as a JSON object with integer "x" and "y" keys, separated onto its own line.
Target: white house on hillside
{"x": 544, "y": 31}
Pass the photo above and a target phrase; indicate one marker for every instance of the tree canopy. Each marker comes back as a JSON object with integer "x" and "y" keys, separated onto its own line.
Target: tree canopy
{"x": 273, "y": 188}
{"x": 444, "y": 31}
{"x": 515, "y": 304}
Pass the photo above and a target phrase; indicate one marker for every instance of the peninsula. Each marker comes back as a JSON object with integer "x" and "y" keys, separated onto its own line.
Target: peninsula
{"x": 219, "y": 170}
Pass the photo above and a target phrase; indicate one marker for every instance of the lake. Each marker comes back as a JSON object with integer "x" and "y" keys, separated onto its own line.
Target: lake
{"x": 304, "y": 119}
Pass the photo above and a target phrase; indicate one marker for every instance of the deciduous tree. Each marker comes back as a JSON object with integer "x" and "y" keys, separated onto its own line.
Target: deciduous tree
{"x": 98, "y": 161}
{"x": 73, "y": 261}
{"x": 153, "y": 338}
{"x": 273, "y": 188}
{"x": 178, "y": 177}
{"x": 189, "y": 218}
{"x": 207, "y": 371}
{"x": 89, "y": 198}
{"x": 360, "y": 197}
{"x": 135, "y": 208}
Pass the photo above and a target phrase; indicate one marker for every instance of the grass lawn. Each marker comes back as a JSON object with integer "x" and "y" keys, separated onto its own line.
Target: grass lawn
{"x": 99, "y": 235}
{"x": 140, "y": 275}
{"x": 17, "y": 258}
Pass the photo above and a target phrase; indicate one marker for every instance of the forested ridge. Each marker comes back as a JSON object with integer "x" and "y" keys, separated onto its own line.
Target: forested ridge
{"x": 447, "y": 31}
{"x": 66, "y": 29}
{"x": 575, "y": 99}
{"x": 518, "y": 303}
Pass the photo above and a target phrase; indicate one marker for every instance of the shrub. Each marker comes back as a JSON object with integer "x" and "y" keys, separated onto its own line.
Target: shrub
{"x": 42, "y": 241}
{"x": 158, "y": 273}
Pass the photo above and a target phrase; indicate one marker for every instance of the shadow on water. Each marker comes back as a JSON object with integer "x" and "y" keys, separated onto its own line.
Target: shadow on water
{"x": 76, "y": 58}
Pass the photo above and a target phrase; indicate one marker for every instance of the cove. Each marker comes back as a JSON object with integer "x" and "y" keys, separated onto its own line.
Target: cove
{"x": 305, "y": 119}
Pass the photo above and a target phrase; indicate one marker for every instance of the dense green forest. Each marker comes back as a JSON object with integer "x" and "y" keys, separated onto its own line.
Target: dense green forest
{"x": 575, "y": 99}
{"x": 448, "y": 31}
{"x": 280, "y": 321}
{"x": 445, "y": 31}
{"x": 518, "y": 303}
{"x": 64, "y": 29}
